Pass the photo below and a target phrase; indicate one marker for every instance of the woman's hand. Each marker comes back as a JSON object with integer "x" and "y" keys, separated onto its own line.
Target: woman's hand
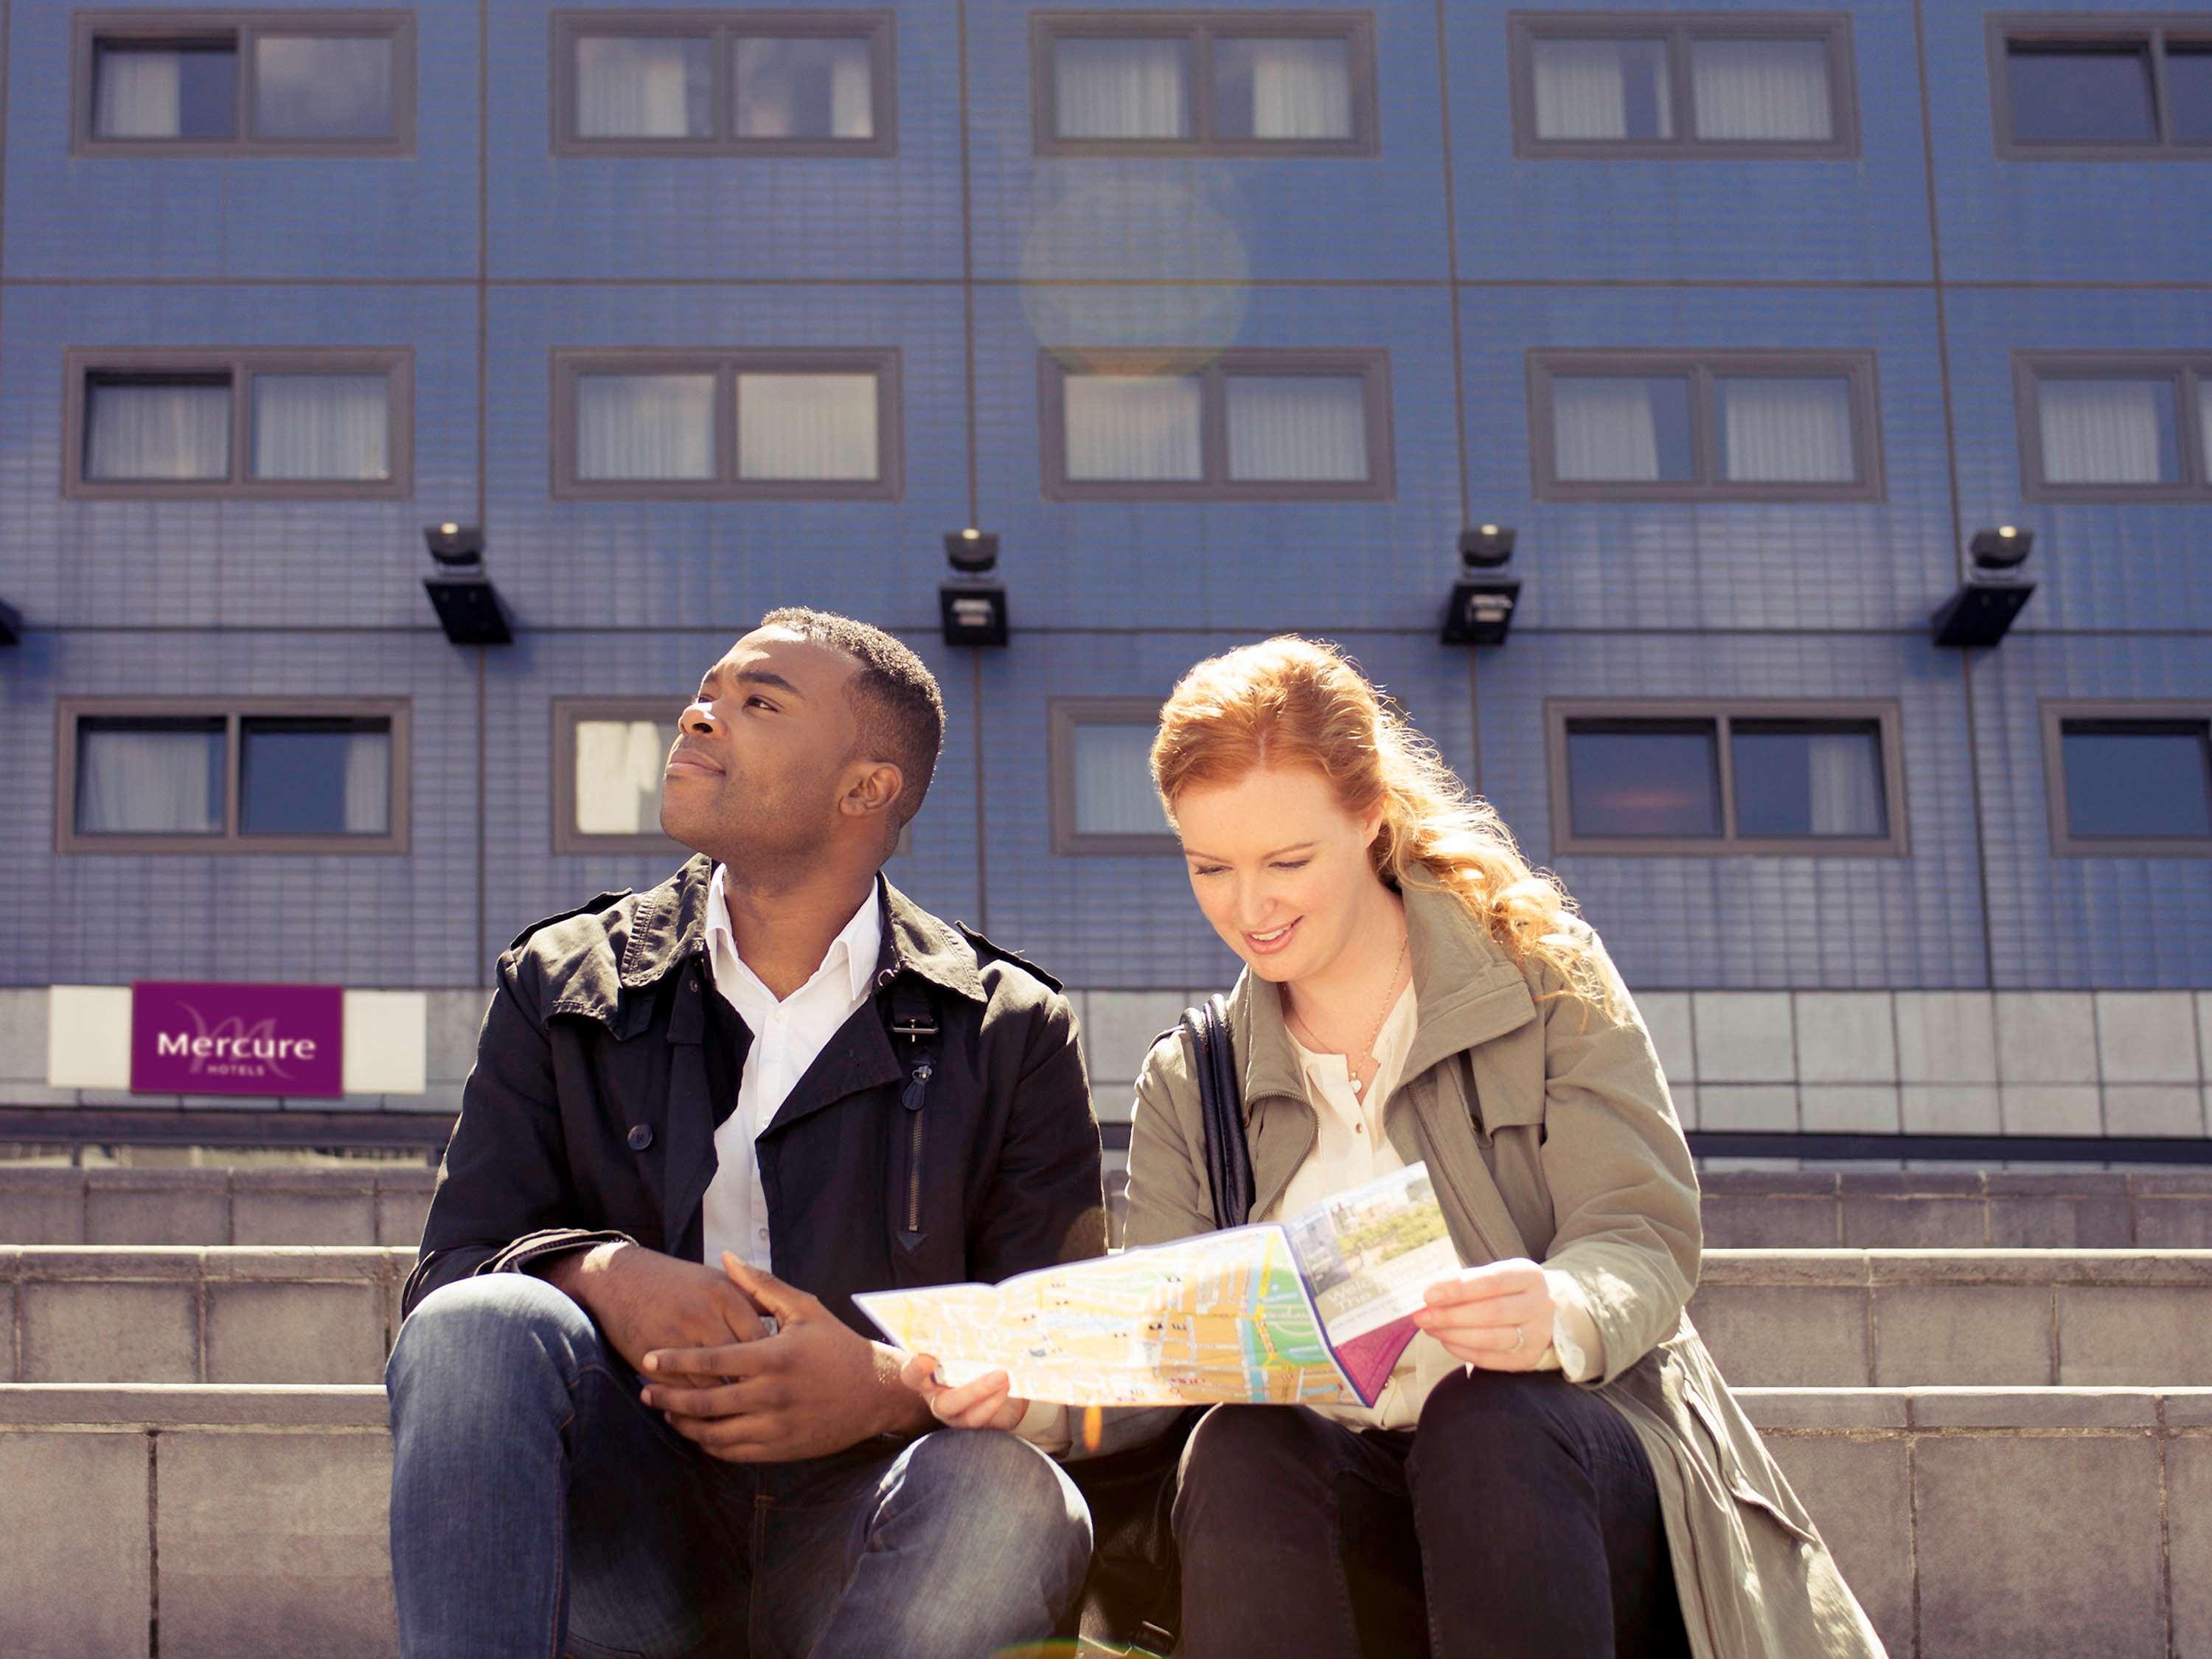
{"x": 983, "y": 1404}
{"x": 1498, "y": 1317}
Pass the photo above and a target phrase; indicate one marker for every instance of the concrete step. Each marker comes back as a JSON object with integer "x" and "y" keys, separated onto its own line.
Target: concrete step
{"x": 377, "y": 1204}
{"x": 1957, "y": 1209}
{"x": 1973, "y": 1523}
{"x": 1774, "y": 1318}
{"x": 1936, "y": 1209}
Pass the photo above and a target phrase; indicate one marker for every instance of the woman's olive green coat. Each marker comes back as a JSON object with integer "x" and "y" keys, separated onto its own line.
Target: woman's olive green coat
{"x": 1549, "y": 1132}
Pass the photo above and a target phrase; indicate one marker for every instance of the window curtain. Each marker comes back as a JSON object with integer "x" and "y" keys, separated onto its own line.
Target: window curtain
{"x": 369, "y": 783}
{"x": 1603, "y": 430}
{"x": 1298, "y": 427}
{"x": 1760, "y": 89}
{"x": 1600, "y": 89}
{"x": 2107, "y": 431}
{"x": 1781, "y": 430}
{"x": 801, "y": 87}
{"x": 1134, "y": 427}
{"x": 148, "y": 783}
{"x": 322, "y": 426}
{"x": 1298, "y": 88}
{"x": 807, "y": 426}
{"x": 309, "y": 86}
{"x": 155, "y": 430}
{"x": 618, "y": 777}
{"x": 138, "y": 94}
{"x": 2205, "y": 420}
{"x": 1122, "y": 89}
{"x": 645, "y": 426}
{"x": 642, "y": 87}
{"x": 1844, "y": 771}
{"x": 1114, "y": 792}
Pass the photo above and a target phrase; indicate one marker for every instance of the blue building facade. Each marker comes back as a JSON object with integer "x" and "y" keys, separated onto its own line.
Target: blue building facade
{"x": 1932, "y": 249}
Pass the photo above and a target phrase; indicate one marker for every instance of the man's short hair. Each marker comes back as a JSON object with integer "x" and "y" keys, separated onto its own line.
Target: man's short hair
{"x": 895, "y": 698}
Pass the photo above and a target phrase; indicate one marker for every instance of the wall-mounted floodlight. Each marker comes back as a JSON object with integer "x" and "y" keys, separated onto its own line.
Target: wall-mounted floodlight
{"x": 1480, "y": 609}
{"x": 467, "y": 604}
{"x": 972, "y": 611}
{"x": 11, "y": 624}
{"x": 971, "y": 551}
{"x": 1977, "y": 615}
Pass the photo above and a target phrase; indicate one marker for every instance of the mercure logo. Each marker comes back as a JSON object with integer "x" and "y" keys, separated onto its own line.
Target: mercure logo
{"x": 236, "y": 1039}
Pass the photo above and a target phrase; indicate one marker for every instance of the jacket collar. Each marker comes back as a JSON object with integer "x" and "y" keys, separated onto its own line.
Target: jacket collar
{"x": 1466, "y": 991}
{"x": 669, "y": 926}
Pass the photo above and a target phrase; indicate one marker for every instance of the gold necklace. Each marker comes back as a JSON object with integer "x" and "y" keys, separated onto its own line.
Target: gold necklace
{"x": 1389, "y": 1001}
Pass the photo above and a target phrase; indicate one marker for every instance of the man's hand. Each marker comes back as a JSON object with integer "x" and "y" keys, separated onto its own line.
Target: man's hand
{"x": 813, "y": 1388}
{"x": 641, "y": 1300}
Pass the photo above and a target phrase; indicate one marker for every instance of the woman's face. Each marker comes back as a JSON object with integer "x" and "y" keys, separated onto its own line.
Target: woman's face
{"x": 1279, "y": 869}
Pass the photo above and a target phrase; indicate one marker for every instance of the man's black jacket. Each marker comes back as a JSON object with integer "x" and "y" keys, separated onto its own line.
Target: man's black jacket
{"x": 608, "y": 1059}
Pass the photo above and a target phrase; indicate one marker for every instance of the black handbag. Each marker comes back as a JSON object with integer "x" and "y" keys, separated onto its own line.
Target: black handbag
{"x": 1131, "y": 1600}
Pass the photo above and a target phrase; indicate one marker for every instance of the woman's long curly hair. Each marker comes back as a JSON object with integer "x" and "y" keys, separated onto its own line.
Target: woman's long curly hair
{"x": 1293, "y": 702}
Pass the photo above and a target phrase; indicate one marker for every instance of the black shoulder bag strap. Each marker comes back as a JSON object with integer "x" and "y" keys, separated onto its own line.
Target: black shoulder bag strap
{"x": 1131, "y": 1600}
{"x": 1221, "y": 1111}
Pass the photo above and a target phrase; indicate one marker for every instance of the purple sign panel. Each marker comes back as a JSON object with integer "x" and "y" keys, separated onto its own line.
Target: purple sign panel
{"x": 195, "y": 1039}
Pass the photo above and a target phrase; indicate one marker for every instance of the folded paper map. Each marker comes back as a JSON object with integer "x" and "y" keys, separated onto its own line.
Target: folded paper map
{"x": 1308, "y": 1311}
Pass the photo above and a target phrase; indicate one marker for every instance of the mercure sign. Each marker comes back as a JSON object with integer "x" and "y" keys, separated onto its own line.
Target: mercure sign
{"x": 188, "y": 1038}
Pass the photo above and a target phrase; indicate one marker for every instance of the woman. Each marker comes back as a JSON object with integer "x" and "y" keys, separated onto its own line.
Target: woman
{"x": 1554, "y": 1468}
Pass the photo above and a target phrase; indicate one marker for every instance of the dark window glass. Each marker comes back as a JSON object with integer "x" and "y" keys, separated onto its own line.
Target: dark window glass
{"x": 2188, "y": 92}
{"x": 316, "y": 777}
{"x": 2082, "y": 92}
{"x": 1808, "y": 778}
{"x": 1659, "y": 778}
{"x": 150, "y": 777}
{"x": 2150, "y": 779}
{"x": 175, "y": 89}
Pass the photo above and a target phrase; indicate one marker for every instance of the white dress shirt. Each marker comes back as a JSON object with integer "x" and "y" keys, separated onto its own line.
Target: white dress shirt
{"x": 787, "y": 1036}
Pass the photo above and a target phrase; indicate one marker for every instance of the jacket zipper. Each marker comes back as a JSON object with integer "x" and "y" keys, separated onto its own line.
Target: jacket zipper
{"x": 912, "y": 1101}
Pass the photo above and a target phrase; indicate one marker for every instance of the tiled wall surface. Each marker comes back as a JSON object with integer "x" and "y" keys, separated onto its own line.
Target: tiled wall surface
{"x": 483, "y": 252}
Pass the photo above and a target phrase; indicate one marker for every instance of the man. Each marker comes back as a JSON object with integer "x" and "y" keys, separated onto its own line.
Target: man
{"x": 633, "y": 1411}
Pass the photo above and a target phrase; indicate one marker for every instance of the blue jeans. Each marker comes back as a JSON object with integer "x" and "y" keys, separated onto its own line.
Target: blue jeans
{"x": 539, "y": 1509}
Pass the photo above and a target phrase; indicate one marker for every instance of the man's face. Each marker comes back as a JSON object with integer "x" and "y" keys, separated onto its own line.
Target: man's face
{"x": 761, "y": 754}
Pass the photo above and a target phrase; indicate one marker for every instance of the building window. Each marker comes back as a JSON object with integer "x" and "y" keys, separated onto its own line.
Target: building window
{"x": 245, "y": 776}
{"x": 2114, "y": 427}
{"x": 1705, "y": 426}
{"x": 1102, "y": 799}
{"x": 1781, "y": 778}
{"x": 784, "y": 425}
{"x": 1672, "y": 84}
{"x": 723, "y": 83}
{"x": 1247, "y": 425}
{"x": 265, "y": 423}
{"x": 1212, "y": 83}
{"x": 2103, "y": 86}
{"x": 608, "y": 755}
{"x": 244, "y": 82}
{"x": 2129, "y": 780}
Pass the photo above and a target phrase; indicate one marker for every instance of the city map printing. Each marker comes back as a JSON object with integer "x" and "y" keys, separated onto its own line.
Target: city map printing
{"x": 194, "y": 1038}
